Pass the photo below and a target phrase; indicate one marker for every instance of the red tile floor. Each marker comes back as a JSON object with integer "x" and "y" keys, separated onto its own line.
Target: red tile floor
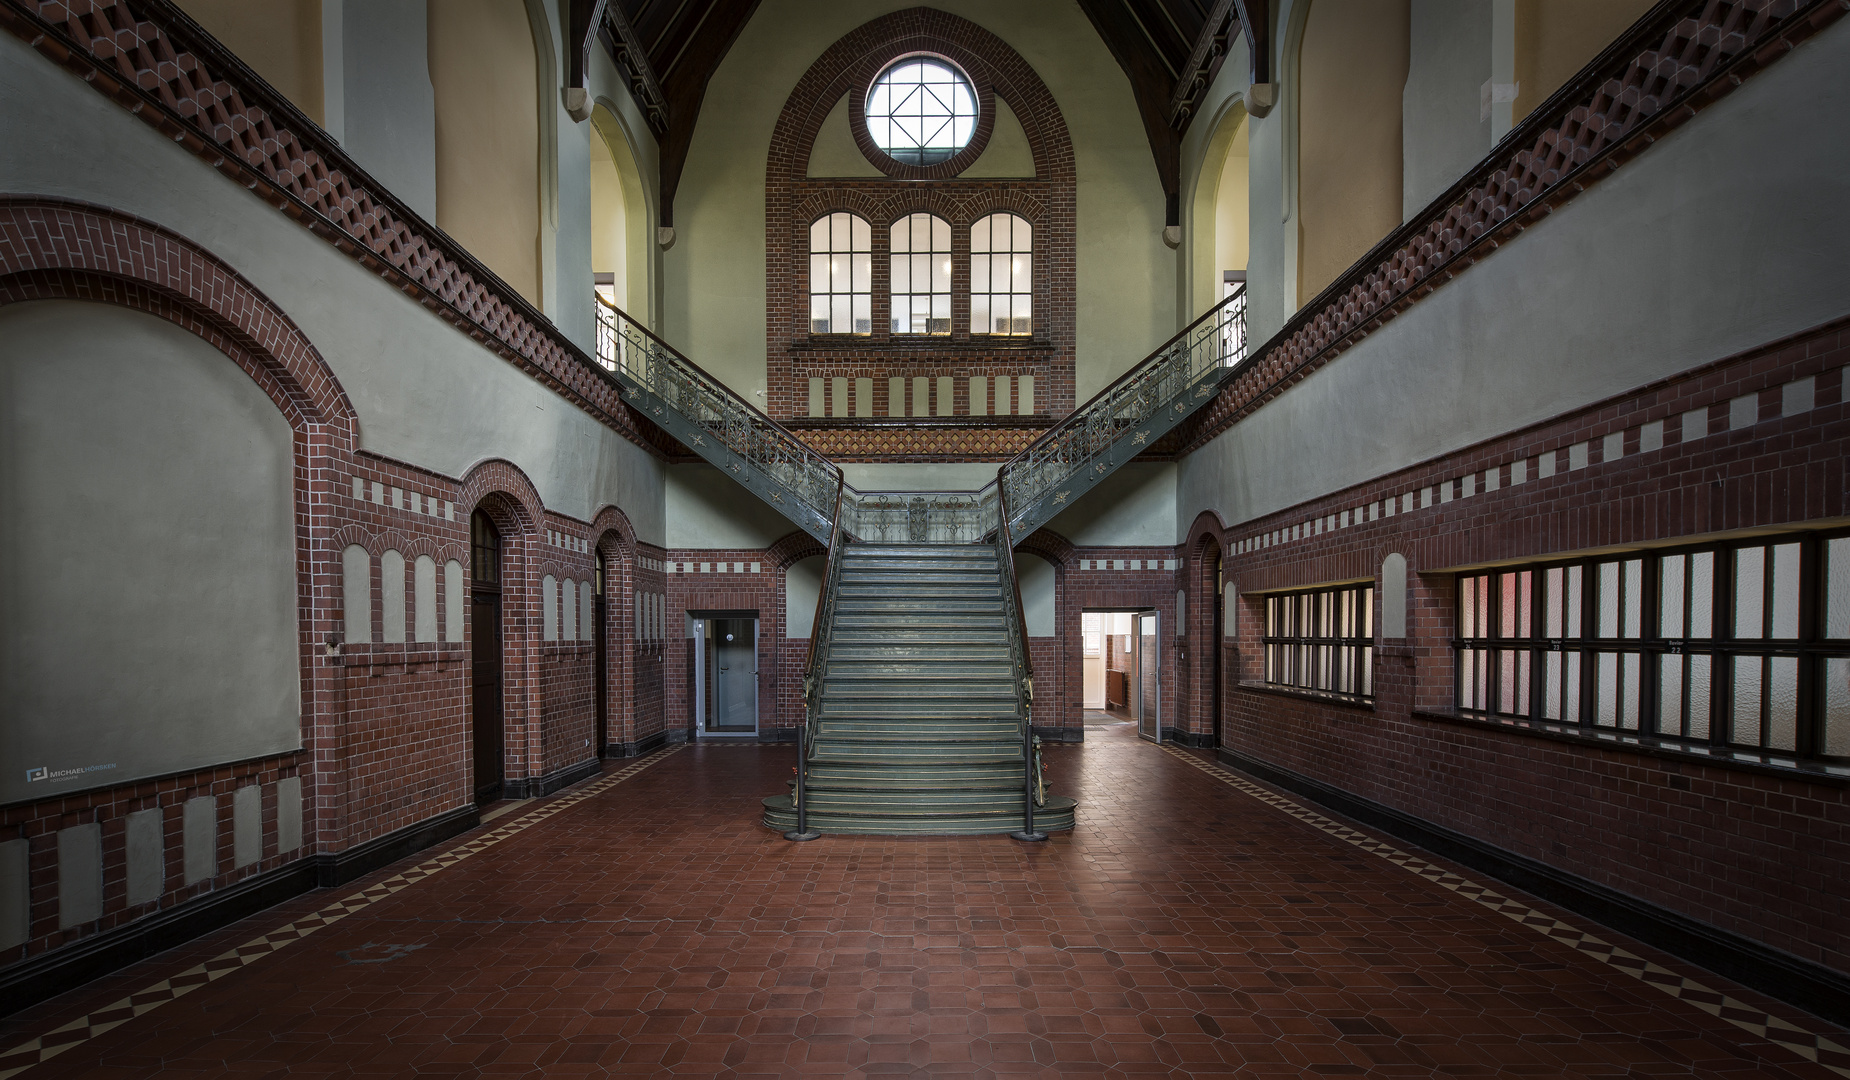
{"x": 653, "y": 928}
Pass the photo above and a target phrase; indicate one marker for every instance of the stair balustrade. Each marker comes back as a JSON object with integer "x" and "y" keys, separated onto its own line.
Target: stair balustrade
{"x": 1023, "y": 661}
{"x": 716, "y": 423}
{"x": 817, "y": 661}
{"x": 1127, "y": 417}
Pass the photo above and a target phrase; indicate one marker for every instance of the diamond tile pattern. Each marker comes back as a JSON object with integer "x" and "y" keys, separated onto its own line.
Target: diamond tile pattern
{"x": 1193, "y": 923}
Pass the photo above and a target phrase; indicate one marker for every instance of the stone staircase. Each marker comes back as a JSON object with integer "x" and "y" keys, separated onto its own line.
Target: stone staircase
{"x": 918, "y": 725}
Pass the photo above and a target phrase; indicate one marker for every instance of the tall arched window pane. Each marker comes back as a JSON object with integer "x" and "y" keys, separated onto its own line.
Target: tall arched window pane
{"x": 1002, "y": 275}
{"x": 841, "y": 275}
{"x": 921, "y": 247}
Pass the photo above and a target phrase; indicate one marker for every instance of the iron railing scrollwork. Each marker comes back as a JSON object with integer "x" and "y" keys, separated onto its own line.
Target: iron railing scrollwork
{"x": 717, "y": 424}
{"x": 919, "y": 517}
{"x": 816, "y": 664}
{"x": 1127, "y": 417}
{"x": 1021, "y": 663}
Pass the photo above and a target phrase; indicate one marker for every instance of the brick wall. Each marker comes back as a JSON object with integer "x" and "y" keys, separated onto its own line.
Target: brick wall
{"x": 1755, "y": 441}
{"x": 793, "y": 201}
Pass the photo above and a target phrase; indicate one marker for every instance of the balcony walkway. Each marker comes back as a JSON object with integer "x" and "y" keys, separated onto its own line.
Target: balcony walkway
{"x": 644, "y": 924}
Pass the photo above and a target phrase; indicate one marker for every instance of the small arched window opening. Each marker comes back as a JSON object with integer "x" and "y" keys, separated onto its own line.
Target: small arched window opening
{"x": 1002, "y": 275}
{"x": 841, "y": 275}
{"x": 921, "y": 281}
{"x": 484, "y": 550}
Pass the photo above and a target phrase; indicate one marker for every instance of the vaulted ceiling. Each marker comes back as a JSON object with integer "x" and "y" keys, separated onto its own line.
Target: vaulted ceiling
{"x": 668, "y": 49}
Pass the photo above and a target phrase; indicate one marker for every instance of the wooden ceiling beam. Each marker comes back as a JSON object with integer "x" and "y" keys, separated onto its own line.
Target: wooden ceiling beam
{"x": 697, "y": 59}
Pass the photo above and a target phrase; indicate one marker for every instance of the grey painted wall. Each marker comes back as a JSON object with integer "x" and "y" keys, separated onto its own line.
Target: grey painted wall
{"x": 389, "y": 111}
{"x": 1035, "y": 577}
{"x": 708, "y": 509}
{"x": 1442, "y": 134}
{"x": 802, "y": 584}
{"x": 902, "y": 476}
{"x": 1132, "y": 507}
{"x": 425, "y": 393}
{"x": 147, "y": 556}
{"x": 1726, "y": 234}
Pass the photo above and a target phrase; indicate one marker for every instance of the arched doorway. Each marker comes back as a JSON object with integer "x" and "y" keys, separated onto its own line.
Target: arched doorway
{"x": 1216, "y": 650}
{"x": 485, "y": 682}
{"x": 600, "y": 655}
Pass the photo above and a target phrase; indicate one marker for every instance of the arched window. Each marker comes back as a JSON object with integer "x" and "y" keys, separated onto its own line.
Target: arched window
{"x": 841, "y": 275}
{"x": 485, "y": 550}
{"x": 921, "y": 247}
{"x": 1002, "y": 275}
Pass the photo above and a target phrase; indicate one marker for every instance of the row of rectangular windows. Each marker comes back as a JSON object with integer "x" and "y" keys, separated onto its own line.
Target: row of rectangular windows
{"x": 1741, "y": 644}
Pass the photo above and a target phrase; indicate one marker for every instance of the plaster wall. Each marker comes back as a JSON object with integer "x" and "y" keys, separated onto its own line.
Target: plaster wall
{"x": 1133, "y": 507}
{"x": 424, "y": 392}
{"x": 149, "y": 537}
{"x": 389, "y": 120}
{"x": 279, "y": 40}
{"x": 708, "y": 509}
{"x": 802, "y": 585}
{"x": 1352, "y": 71}
{"x": 1444, "y": 131}
{"x": 1615, "y": 290}
{"x": 626, "y": 135}
{"x": 715, "y": 285}
{"x": 1035, "y": 577}
{"x": 486, "y": 92}
{"x": 1556, "y": 38}
{"x": 905, "y": 476}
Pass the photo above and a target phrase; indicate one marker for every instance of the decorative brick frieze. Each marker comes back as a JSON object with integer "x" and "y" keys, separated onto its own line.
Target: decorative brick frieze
{"x": 793, "y": 200}
{"x": 1649, "y": 82}
{"x": 155, "y": 61}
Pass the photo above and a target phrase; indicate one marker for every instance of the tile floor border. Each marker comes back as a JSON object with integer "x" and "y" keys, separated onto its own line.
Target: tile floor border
{"x": 35, "y": 1051}
{"x": 1811, "y": 1046}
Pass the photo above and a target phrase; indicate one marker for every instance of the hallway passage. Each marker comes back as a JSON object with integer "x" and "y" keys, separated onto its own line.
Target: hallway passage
{"x": 644, "y": 924}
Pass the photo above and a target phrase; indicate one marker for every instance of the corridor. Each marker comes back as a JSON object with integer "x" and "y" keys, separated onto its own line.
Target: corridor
{"x": 644, "y": 924}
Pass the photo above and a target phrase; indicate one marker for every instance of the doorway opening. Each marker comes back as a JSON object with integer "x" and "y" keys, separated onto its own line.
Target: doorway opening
{"x": 725, "y": 674}
{"x": 1120, "y": 662}
{"x": 485, "y": 655}
{"x": 600, "y": 656}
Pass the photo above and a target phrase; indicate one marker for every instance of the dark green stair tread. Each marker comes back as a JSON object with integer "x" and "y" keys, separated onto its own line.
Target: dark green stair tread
{"x": 1056, "y": 816}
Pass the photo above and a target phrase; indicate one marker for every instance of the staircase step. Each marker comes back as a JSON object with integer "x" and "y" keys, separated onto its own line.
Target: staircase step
{"x": 1056, "y": 816}
{"x": 933, "y": 671}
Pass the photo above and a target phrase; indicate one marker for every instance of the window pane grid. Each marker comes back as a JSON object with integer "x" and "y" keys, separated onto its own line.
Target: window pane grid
{"x": 1322, "y": 640}
{"x": 1725, "y": 644}
{"x": 841, "y": 274}
{"x": 1002, "y": 275}
{"x": 921, "y": 275}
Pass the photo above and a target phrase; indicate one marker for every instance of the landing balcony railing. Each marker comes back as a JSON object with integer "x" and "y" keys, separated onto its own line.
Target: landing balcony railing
{"x": 919, "y": 517}
{"x": 1126, "y": 417}
{"x": 717, "y": 423}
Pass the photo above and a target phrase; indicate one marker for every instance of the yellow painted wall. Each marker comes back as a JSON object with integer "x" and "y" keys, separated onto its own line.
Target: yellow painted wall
{"x": 1008, "y": 154}
{"x": 609, "y": 218}
{"x": 1231, "y": 233}
{"x": 485, "y": 77}
{"x": 278, "y": 39}
{"x": 1351, "y": 72}
{"x": 715, "y": 284}
{"x": 1556, "y": 38}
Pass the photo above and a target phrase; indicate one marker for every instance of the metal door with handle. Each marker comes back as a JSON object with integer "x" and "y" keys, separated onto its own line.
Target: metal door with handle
{"x": 728, "y": 683}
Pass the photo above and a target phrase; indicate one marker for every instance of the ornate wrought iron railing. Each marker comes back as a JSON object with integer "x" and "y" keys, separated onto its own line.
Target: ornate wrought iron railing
{"x": 1021, "y": 661}
{"x": 820, "y": 634}
{"x": 1125, "y": 418}
{"x": 920, "y": 517}
{"x": 717, "y": 424}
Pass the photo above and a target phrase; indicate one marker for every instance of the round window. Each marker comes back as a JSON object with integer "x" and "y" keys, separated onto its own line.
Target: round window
{"x": 921, "y": 110}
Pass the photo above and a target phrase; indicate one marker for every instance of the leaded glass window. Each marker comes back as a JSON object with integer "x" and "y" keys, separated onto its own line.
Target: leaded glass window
{"x": 921, "y": 283}
{"x": 841, "y": 275}
{"x": 1002, "y": 275}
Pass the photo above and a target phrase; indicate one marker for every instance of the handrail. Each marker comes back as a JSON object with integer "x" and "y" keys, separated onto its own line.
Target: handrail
{"x": 692, "y": 405}
{"x": 1023, "y": 657}
{"x": 1128, "y": 416}
{"x": 825, "y": 613}
{"x": 1078, "y": 415}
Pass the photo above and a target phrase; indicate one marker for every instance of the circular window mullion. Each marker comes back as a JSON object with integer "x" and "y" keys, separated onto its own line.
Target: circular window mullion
{"x": 922, "y": 117}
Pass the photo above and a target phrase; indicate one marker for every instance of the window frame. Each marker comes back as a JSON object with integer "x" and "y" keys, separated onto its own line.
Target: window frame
{"x": 1712, "y": 567}
{"x": 962, "y": 78}
{"x": 990, "y": 293}
{"x": 912, "y": 295}
{"x": 853, "y": 293}
{"x": 1282, "y": 650}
